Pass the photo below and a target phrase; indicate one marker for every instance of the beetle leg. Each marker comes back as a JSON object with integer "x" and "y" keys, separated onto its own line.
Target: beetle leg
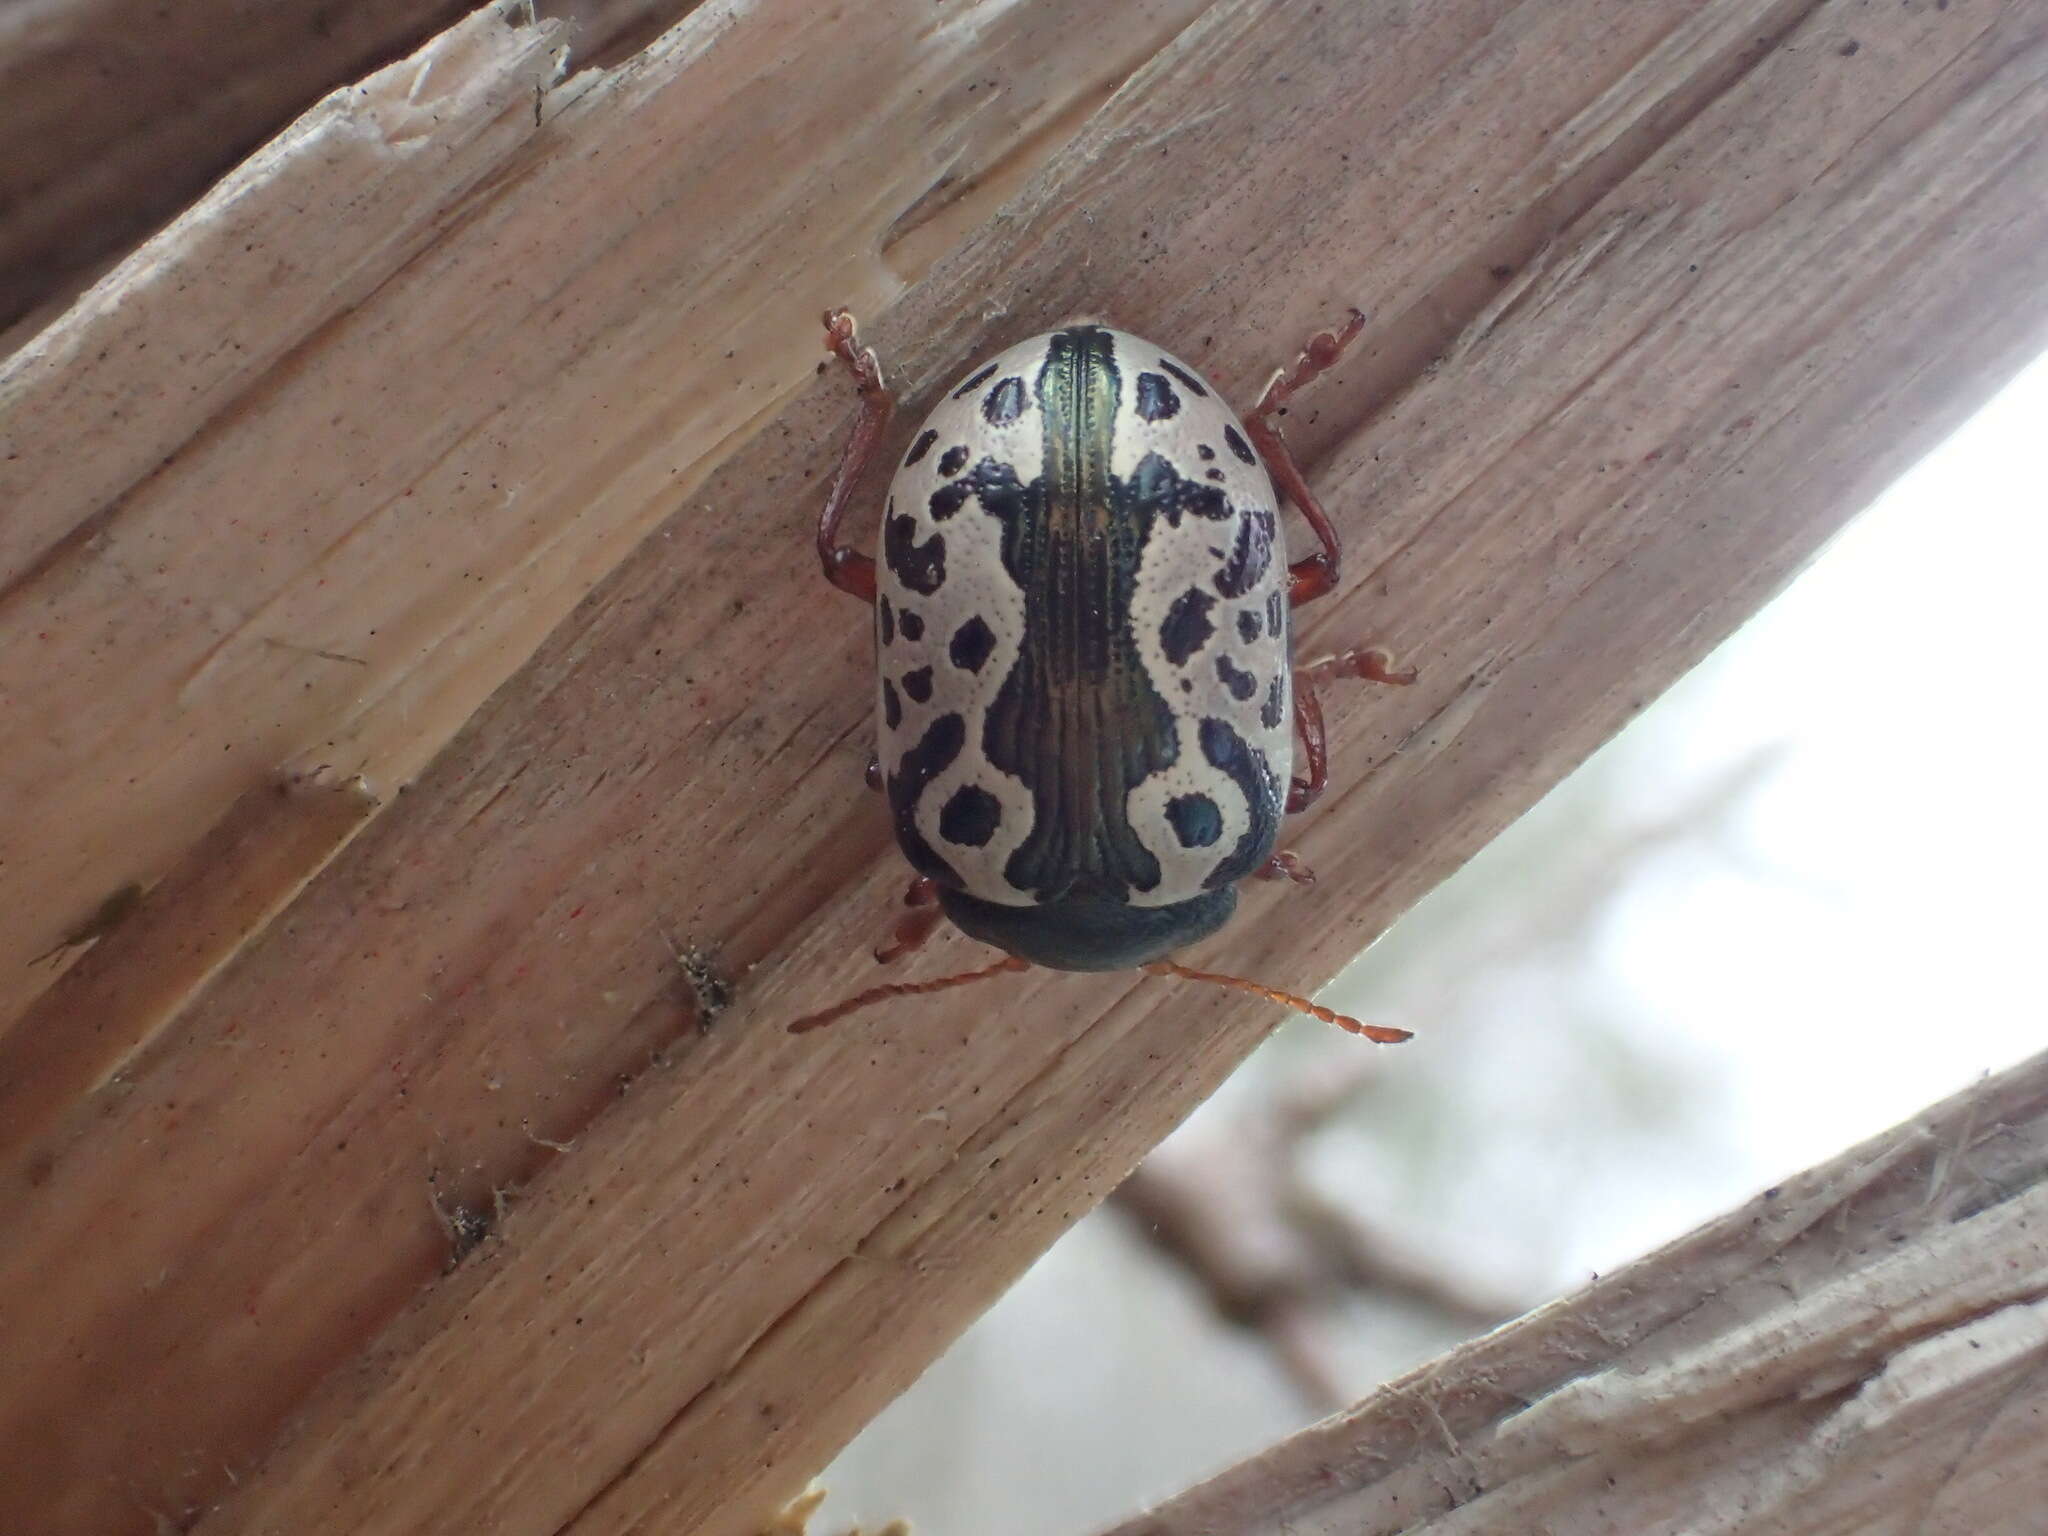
{"x": 849, "y": 569}
{"x": 1368, "y": 662}
{"x": 1286, "y": 866}
{"x": 912, "y": 929}
{"x": 916, "y": 925}
{"x": 1308, "y": 725}
{"x": 1314, "y": 575}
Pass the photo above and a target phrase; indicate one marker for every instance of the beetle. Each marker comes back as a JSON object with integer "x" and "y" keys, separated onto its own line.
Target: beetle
{"x": 1085, "y": 699}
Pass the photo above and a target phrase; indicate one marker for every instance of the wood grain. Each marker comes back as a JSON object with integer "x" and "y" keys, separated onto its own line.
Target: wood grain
{"x": 1661, "y": 292}
{"x": 161, "y": 949}
{"x": 120, "y": 113}
{"x": 302, "y": 491}
{"x": 1862, "y": 1348}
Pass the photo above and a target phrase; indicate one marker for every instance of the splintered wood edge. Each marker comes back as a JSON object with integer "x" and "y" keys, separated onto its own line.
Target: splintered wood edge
{"x": 1860, "y": 1347}
{"x": 131, "y": 157}
{"x": 882, "y": 1153}
{"x": 417, "y": 374}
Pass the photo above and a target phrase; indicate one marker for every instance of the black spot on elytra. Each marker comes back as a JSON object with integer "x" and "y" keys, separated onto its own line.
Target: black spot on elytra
{"x": 953, "y": 460}
{"x": 970, "y": 817}
{"x": 996, "y": 483}
{"x": 918, "y": 685}
{"x": 1239, "y": 446}
{"x": 1195, "y": 820}
{"x": 1248, "y": 769}
{"x": 1212, "y": 474}
{"x": 892, "y": 707}
{"x": 934, "y": 753}
{"x": 1005, "y": 403}
{"x": 1242, "y": 685}
{"x": 1186, "y": 378}
{"x": 920, "y": 567}
{"x": 1156, "y": 399}
{"x": 921, "y": 447}
{"x": 971, "y": 644}
{"x": 1159, "y": 487}
{"x": 885, "y": 618}
{"x": 1248, "y": 625}
{"x": 1250, "y": 555}
{"x": 1186, "y": 628}
{"x": 974, "y": 383}
{"x": 1270, "y": 711}
{"x": 911, "y": 623}
{"x": 1276, "y": 612}
{"x": 1205, "y": 451}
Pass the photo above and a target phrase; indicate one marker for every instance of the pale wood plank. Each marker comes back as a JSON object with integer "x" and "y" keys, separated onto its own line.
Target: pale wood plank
{"x": 152, "y": 954}
{"x": 1553, "y": 521}
{"x": 1863, "y": 1348}
{"x": 119, "y": 114}
{"x": 292, "y": 489}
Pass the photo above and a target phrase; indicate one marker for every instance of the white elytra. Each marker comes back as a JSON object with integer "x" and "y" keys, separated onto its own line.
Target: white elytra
{"x": 1205, "y": 637}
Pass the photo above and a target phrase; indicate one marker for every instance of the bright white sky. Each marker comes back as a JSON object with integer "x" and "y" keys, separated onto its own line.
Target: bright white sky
{"x": 1881, "y": 941}
{"x": 1865, "y": 938}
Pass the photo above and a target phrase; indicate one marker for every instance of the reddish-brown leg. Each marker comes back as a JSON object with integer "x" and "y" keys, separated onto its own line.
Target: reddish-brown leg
{"x": 1314, "y": 575}
{"x": 1286, "y": 866}
{"x": 849, "y": 569}
{"x": 1375, "y": 666}
{"x": 916, "y": 925}
{"x": 1366, "y": 661}
{"x": 1308, "y": 725}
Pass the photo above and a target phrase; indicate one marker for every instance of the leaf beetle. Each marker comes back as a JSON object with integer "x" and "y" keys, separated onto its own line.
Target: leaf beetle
{"x": 1086, "y": 704}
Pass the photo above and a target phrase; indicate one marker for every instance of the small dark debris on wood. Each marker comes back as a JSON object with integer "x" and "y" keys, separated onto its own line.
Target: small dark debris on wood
{"x": 709, "y": 991}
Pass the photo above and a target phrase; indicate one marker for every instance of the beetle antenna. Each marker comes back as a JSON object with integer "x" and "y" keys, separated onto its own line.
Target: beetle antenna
{"x": 811, "y": 1021}
{"x": 1380, "y": 1032}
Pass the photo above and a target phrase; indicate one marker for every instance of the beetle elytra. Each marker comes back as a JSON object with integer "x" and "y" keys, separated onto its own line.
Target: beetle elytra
{"x": 1087, "y": 710}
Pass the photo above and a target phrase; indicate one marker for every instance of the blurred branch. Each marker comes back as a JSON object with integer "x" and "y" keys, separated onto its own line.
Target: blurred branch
{"x": 1861, "y": 1348}
{"x": 1271, "y": 1253}
{"x": 1277, "y": 1256}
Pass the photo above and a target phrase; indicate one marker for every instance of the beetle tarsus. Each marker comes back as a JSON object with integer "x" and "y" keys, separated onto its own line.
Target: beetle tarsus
{"x": 1315, "y": 575}
{"x": 1318, "y": 356}
{"x": 1368, "y": 662}
{"x": 917, "y": 924}
{"x": 912, "y": 929}
{"x": 1286, "y": 866}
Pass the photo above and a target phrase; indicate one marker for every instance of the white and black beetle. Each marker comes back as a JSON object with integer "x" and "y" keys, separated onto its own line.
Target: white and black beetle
{"x": 1086, "y": 702}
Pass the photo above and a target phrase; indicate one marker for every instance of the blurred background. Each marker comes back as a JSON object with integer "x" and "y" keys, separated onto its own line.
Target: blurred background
{"x": 1791, "y": 905}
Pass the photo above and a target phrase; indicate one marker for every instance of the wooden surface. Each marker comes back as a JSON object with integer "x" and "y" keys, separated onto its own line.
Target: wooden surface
{"x": 118, "y": 113}
{"x": 1660, "y": 294}
{"x": 1861, "y": 1349}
